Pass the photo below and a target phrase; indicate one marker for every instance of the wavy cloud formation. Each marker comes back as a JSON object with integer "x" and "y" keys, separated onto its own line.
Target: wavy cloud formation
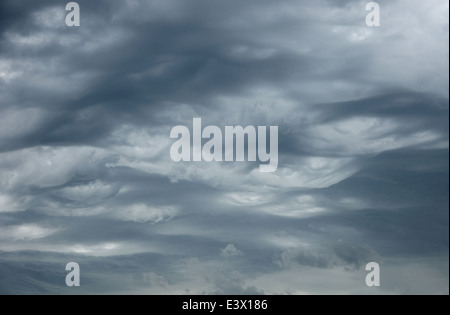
{"x": 86, "y": 175}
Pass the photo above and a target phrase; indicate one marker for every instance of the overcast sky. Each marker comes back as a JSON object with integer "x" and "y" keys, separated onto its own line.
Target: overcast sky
{"x": 85, "y": 167}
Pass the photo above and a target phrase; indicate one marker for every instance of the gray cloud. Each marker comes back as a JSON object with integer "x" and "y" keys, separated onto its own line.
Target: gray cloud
{"x": 86, "y": 176}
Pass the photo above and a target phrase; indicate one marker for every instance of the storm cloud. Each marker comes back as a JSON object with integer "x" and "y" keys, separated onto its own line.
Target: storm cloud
{"x": 86, "y": 174}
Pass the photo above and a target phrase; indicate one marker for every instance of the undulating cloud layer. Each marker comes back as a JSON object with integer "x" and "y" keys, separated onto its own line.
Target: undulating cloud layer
{"x": 86, "y": 174}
